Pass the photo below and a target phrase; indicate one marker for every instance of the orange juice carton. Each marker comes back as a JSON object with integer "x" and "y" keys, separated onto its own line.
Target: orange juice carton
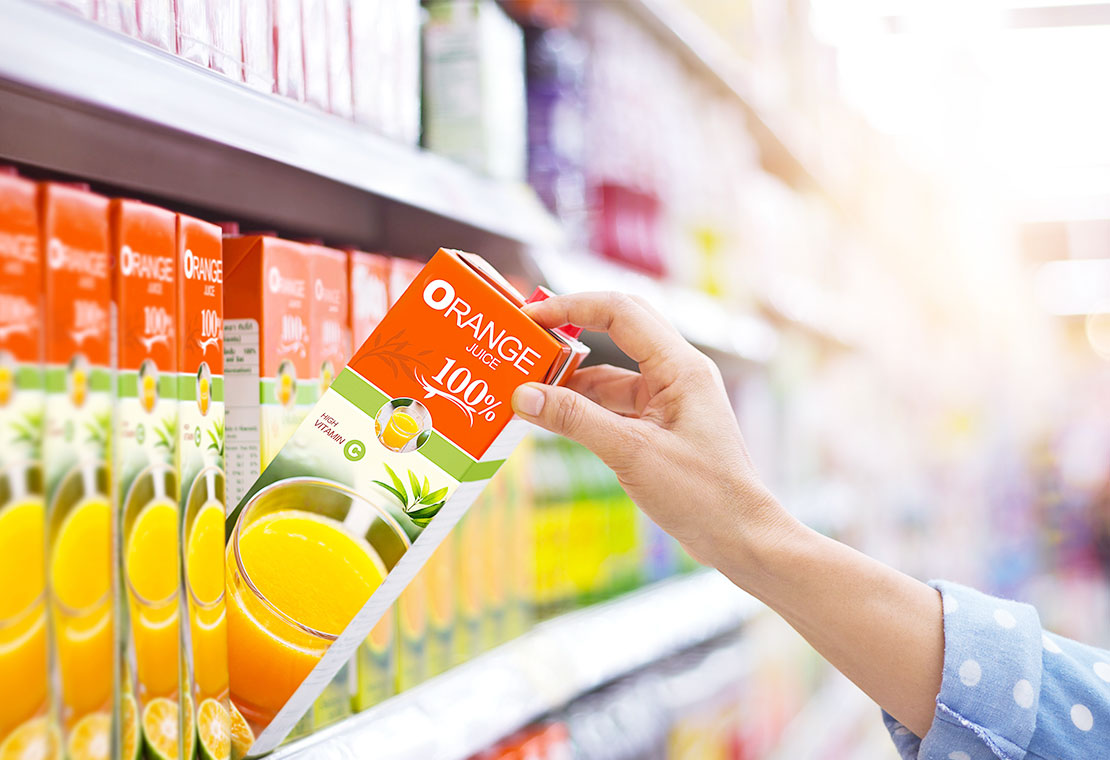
{"x": 373, "y": 480}
{"x": 200, "y": 466}
{"x": 77, "y": 286}
{"x": 401, "y": 274}
{"x": 269, "y": 382}
{"x": 369, "y": 293}
{"x": 144, "y": 472}
{"x": 24, "y": 663}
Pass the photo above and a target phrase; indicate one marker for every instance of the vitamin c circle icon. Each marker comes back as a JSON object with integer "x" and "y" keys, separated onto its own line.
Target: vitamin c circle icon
{"x": 354, "y": 450}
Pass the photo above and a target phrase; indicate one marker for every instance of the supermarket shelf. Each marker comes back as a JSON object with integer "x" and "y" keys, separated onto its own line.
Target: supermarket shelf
{"x": 84, "y": 100}
{"x": 704, "y": 49}
{"x": 704, "y": 321}
{"x": 472, "y": 706}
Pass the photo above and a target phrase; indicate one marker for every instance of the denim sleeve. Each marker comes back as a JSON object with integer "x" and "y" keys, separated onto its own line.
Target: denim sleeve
{"x": 1009, "y": 690}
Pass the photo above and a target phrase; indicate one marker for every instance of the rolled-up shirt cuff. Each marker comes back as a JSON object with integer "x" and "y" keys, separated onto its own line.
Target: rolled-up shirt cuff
{"x": 991, "y": 684}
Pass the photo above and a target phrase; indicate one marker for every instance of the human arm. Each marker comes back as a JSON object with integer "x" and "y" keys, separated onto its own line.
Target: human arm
{"x": 669, "y": 434}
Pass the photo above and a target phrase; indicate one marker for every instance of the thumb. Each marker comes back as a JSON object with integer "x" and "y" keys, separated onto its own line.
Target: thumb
{"x": 572, "y": 415}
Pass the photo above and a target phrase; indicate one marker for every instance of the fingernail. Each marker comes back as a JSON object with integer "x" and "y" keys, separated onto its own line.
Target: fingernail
{"x": 528, "y": 400}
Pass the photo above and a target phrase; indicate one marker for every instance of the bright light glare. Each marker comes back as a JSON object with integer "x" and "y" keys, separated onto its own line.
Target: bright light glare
{"x": 1073, "y": 288}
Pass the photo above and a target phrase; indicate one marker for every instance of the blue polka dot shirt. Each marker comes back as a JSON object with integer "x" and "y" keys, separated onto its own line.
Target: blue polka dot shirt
{"x": 1010, "y": 690}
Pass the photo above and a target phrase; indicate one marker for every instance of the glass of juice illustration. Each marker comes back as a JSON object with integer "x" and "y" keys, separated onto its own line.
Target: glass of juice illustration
{"x": 23, "y": 655}
{"x": 150, "y": 558}
{"x": 81, "y": 599}
{"x": 304, "y": 557}
{"x": 203, "y": 538}
{"x": 402, "y": 424}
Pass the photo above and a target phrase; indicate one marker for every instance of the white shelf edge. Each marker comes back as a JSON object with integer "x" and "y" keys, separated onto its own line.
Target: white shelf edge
{"x": 472, "y": 706}
{"x": 60, "y": 55}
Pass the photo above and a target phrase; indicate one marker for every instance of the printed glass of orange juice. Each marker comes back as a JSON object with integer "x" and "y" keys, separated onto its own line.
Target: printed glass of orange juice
{"x": 80, "y": 582}
{"x": 300, "y": 565}
{"x": 204, "y": 579}
{"x": 23, "y": 655}
{"x": 401, "y": 428}
{"x": 150, "y": 560}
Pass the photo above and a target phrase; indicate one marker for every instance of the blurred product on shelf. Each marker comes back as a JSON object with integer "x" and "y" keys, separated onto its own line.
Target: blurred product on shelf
{"x": 257, "y": 34}
{"x": 289, "y": 48}
{"x": 24, "y": 659}
{"x": 359, "y": 60}
{"x": 369, "y": 293}
{"x": 474, "y": 101}
{"x": 77, "y": 298}
{"x": 556, "y": 90}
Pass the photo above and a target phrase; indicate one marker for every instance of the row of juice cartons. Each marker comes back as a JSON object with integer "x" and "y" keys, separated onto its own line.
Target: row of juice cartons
{"x": 116, "y": 463}
{"x": 359, "y": 59}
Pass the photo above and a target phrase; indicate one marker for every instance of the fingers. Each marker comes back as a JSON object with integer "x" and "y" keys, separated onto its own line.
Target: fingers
{"x": 572, "y": 415}
{"x": 617, "y": 389}
{"x": 636, "y": 330}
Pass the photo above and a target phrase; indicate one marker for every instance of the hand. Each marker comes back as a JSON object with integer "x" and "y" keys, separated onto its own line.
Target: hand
{"x": 669, "y": 434}
{"x": 667, "y": 431}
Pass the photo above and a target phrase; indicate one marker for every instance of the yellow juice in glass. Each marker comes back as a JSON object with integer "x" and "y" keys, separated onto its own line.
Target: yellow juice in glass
{"x": 400, "y": 429}
{"x": 23, "y": 655}
{"x": 150, "y": 555}
{"x": 207, "y": 614}
{"x": 80, "y": 575}
{"x": 294, "y": 581}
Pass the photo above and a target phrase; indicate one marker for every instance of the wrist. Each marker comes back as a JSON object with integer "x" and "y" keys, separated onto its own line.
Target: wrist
{"x": 759, "y": 537}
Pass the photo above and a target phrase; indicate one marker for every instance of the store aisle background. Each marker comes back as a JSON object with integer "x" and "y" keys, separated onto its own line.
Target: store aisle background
{"x": 889, "y": 223}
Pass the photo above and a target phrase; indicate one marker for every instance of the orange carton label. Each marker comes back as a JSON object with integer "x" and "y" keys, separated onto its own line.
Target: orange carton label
{"x": 371, "y": 482}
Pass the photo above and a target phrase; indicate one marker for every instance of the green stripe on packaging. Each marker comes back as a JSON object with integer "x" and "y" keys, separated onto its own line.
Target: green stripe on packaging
{"x": 127, "y": 384}
{"x": 307, "y": 391}
{"x": 187, "y": 388}
{"x": 100, "y": 379}
{"x": 29, "y": 378}
{"x": 359, "y": 392}
{"x": 482, "y": 471}
{"x": 437, "y": 449}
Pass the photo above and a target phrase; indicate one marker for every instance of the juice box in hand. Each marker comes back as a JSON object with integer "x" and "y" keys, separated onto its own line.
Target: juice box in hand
{"x": 24, "y": 663}
{"x": 373, "y": 480}
{"x": 73, "y": 230}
